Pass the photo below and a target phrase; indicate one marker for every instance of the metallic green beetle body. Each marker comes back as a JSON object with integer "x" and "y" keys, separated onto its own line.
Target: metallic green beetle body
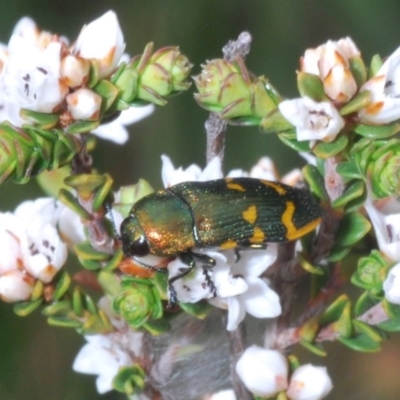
{"x": 224, "y": 213}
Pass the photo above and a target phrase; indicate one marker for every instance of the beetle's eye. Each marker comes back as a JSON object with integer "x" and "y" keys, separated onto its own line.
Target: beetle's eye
{"x": 139, "y": 247}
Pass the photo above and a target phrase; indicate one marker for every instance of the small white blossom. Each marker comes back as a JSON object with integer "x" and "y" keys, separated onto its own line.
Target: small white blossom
{"x": 330, "y": 62}
{"x": 385, "y": 91}
{"x": 34, "y": 246}
{"x": 31, "y": 78}
{"x": 116, "y": 131}
{"x": 103, "y": 41}
{"x": 172, "y": 176}
{"x": 75, "y": 70}
{"x": 391, "y": 285}
{"x": 309, "y": 382}
{"x": 105, "y": 354}
{"x": 84, "y": 104}
{"x": 385, "y": 218}
{"x": 313, "y": 120}
{"x": 16, "y": 286}
{"x": 264, "y": 372}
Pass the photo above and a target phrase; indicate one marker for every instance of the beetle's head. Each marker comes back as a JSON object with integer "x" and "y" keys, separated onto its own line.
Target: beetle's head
{"x": 134, "y": 240}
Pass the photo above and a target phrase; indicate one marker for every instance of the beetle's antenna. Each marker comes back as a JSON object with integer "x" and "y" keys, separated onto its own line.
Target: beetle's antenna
{"x": 110, "y": 215}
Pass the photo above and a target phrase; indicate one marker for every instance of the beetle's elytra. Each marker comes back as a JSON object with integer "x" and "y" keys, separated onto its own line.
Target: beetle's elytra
{"x": 225, "y": 213}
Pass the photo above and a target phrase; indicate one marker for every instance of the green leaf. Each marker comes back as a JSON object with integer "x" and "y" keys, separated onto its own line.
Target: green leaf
{"x": 364, "y": 303}
{"x": 129, "y": 379}
{"x": 310, "y": 85}
{"x": 199, "y": 310}
{"x": 335, "y": 310}
{"x": 358, "y": 70}
{"x": 362, "y": 100}
{"x": 157, "y": 327}
{"x": 77, "y": 302}
{"x": 392, "y": 310}
{"x": 353, "y": 191}
{"x": 377, "y": 131}
{"x": 62, "y": 286}
{"x": 349, "y": 170}
{"x": 353, "y": 227}
{"x": 108, "y": 93}
{"x": 361, "y": 342}
{"x": 25, "y": 308}
{"x": 64, "y": 322}
{"x": 315, "y": 180}
{"x": 376, "y": 64}
{"x": 338, "y": 253}
{"x": 314, "y": 348}
{"x": 294, "y": 144}
{"x": 44, "y": 121}
{"x": 57, "y": 308}
{"x": 275, "y": 122}
{"x": 69, "y": 200}
{"x": 326, "y": 150}
{"x": 85, "y": 251}
{"x": 82, "y": 127}
{"x": 390, "y": 325}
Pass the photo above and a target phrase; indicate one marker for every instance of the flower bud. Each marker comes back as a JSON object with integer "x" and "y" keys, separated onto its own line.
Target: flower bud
{"x": 264, "y": 372}
{"x": 84, "y": 104}
{"x": 75, "y": 70}
{"x": 330, "y": 62}
{"x": 103, "y": 41}
{"x": 309, "y": 382}
{"x": 16, "y": 286}
{"x": 226, "y": 88}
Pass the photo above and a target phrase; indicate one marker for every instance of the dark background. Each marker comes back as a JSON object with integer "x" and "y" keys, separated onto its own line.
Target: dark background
{"x": 35, "y": 359}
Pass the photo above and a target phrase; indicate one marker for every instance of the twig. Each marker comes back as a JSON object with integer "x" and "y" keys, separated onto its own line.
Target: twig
{"x": 96, "y": 227}
{"x": 215, "y": 126}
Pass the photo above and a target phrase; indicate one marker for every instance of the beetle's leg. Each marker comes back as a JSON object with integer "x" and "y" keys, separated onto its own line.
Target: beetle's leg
{"x": 188, "y": 259}
{"x": 208, "y": 262}
{"x": 209, "y": 281}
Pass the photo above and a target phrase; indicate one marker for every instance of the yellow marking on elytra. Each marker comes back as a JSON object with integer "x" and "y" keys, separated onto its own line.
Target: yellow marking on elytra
{"x": 287, "y": 220}
{"x": 275, "y": 186}
{"x": 258, "y": 236}
{"x": 229, "y": 244}
{"x": 250, "y": 215}
{"x": 235, "y": 186}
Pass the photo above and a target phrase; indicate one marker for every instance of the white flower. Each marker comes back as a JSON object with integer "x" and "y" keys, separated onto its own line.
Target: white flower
{"x": 84, "y": 104}
{"x": 391, "y": 286}
{"x": 116, "y": 130}
{"x": 264, "y": 372}
{"x": 330, "y": 62}
{"x": 238, "y": 286}
{"x": 385, "y": 91}
{"x": 385, "y": 217}
{"x": 309, "y": 382}
{"x": 313, "y": 121}
{"x": 103, "y": 41}
{"x": 172, "y": 176}
{"x": 31, "y": 78}
{"x": 16, "y": 286}
{"x": 34, "y": 245}
{"x": 104, "y": 355}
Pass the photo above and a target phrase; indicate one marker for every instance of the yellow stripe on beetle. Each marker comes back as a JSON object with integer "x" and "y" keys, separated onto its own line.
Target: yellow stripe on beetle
{"x": 250, "y": 214}
{"x": 287, "y": 220}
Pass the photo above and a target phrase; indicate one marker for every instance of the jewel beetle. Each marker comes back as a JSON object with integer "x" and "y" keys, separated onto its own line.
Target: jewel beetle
{"x": 230, "y": 213}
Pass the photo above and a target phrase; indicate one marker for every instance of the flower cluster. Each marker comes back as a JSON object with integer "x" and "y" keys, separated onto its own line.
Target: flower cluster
{"x": 32, "y": 248}
{"x": 40, "y": 72}
{"x": 265, "y": 374}
{"x": 332, "y": 81}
